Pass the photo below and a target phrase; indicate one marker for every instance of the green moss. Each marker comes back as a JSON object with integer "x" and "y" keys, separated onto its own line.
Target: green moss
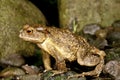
{"x": 13, "y": 15}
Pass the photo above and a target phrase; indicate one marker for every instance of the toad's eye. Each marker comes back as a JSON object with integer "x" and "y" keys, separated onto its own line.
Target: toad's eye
{"x": 29, "y": 31}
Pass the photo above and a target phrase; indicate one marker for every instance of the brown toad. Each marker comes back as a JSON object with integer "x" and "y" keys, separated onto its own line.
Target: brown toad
{"x": 63, "y": 45}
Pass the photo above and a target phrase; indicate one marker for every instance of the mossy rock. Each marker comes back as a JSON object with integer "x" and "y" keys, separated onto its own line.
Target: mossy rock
{"x": 84, "y": 12}
{"x": 13, "y": 15}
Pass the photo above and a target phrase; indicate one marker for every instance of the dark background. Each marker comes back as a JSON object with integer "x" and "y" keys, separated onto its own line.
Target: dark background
{"x": 49, "y": 9}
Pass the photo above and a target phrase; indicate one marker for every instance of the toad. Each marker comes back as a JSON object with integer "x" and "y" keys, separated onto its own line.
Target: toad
{"x": 63, "y": 45}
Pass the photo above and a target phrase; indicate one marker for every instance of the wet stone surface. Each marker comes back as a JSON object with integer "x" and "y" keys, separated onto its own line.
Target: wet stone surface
{"x": 13, "y": 60}
{"x": 113, "y": 68}
{"x": 11, "y": 71}
{"x": 91, "y": 29}
{"x": 31, "y": 69}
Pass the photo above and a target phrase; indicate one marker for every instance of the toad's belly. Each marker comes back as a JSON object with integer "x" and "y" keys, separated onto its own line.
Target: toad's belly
{"x": 67, "y": 54}
{"x": 57, "y": 52}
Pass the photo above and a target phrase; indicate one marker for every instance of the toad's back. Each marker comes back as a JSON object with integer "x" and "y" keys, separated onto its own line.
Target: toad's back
{"x": 65, "y": 43}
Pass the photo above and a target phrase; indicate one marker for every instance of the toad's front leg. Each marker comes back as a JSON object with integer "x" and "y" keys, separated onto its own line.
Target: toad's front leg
{"x": 46, "y": 61}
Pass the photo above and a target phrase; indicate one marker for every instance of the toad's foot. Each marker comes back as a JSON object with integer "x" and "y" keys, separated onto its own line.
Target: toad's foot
{"x": 57, "y": 72}
{"x": 47, "y": 70}
{"x": 91, "y": 73}
{"x": 75, "y": 76}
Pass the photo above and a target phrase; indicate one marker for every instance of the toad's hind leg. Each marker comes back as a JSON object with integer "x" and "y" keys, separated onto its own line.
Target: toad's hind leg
{"x": 96, "y": 72}
{"x": 87, "y": 61}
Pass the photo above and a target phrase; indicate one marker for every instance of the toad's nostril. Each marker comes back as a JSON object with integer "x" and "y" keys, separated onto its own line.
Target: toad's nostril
{"x": 20, "y": 35}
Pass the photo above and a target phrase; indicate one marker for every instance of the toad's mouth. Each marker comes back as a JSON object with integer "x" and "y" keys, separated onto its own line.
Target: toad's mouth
{"x": 30, "y": 39}
{"x": 24, "y": 38}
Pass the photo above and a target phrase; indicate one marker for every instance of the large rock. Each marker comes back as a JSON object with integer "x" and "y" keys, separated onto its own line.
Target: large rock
{"x": 83, "y": 12}
{"x": 13, "y": 14}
